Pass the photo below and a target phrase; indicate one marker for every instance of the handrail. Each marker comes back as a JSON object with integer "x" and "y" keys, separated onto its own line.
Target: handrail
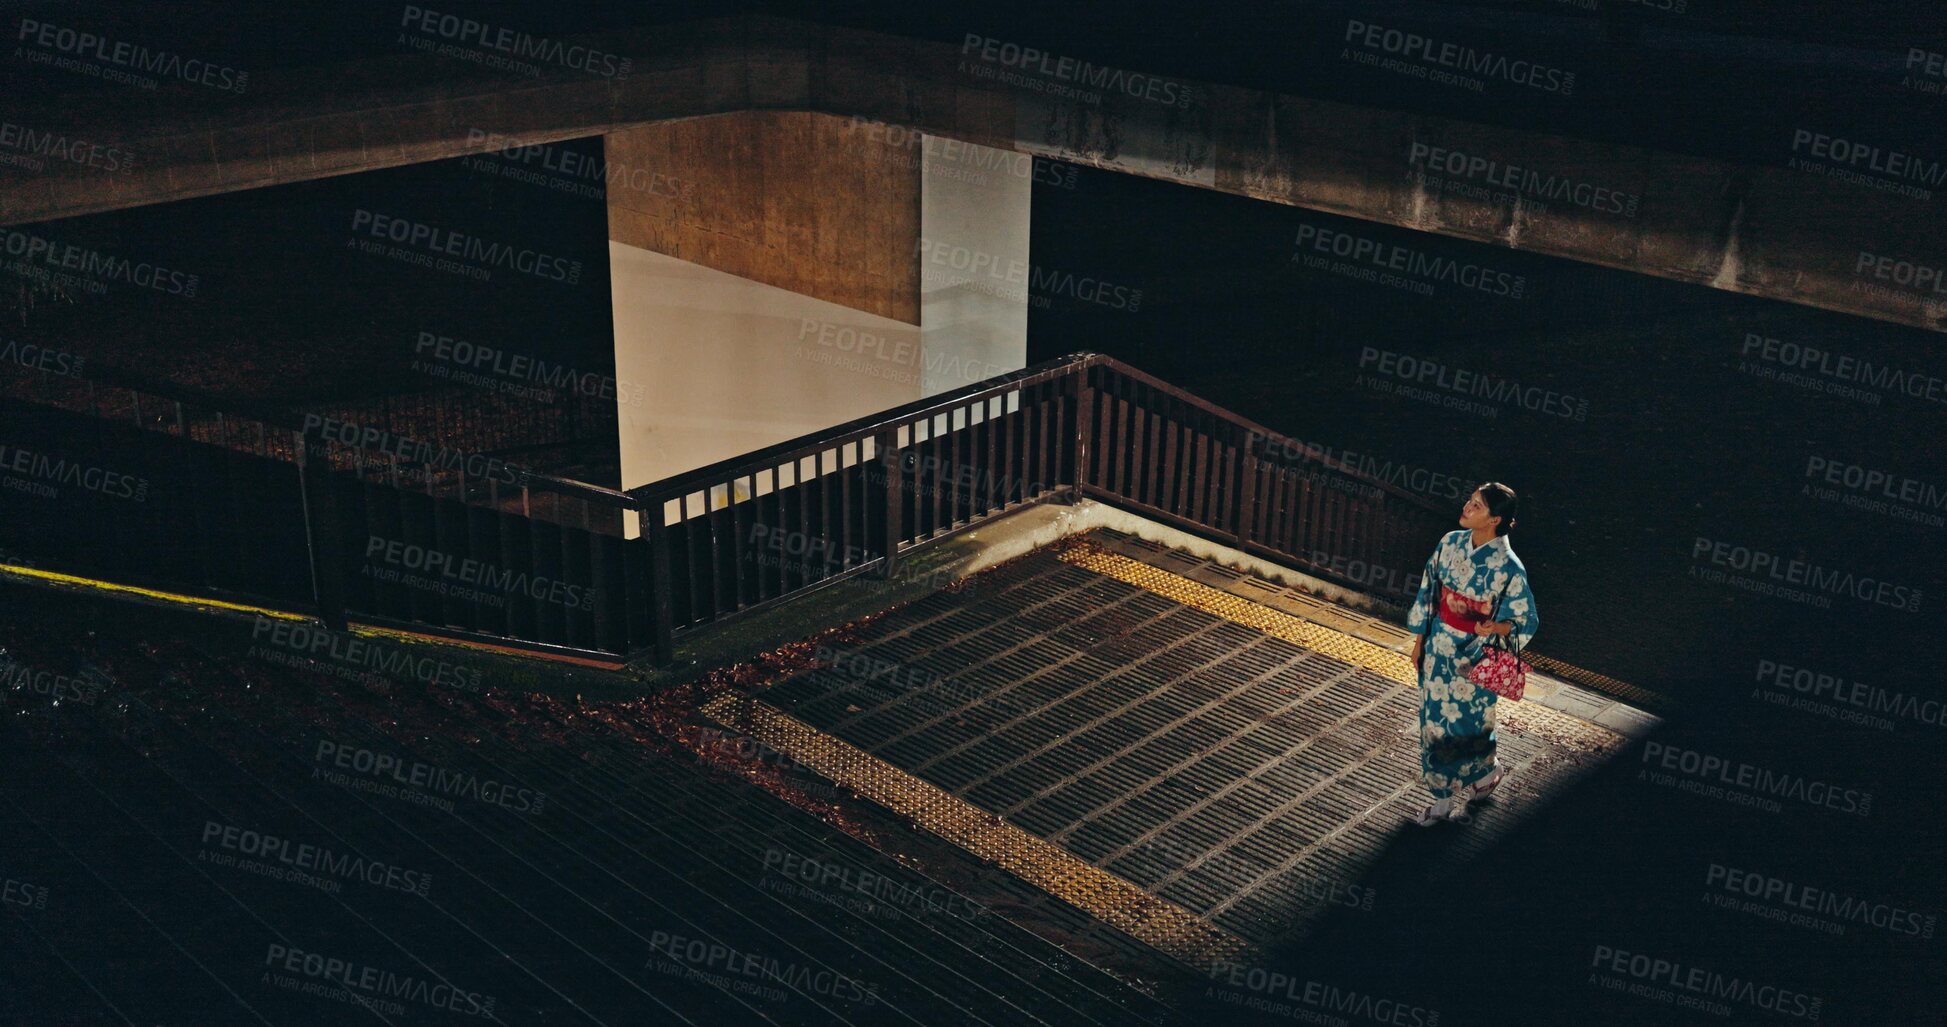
{"x": 272, "y": 416}
{"x": 1080, "y": 426}
{"x": 1260, "y": 430}
{"x": 782, "y": 452}
{"x": 684, "y": 482}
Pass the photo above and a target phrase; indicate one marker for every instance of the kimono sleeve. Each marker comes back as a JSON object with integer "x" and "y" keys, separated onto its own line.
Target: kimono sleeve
{"x": 1422, "y": 608}
{"x": 1520, "y": 607}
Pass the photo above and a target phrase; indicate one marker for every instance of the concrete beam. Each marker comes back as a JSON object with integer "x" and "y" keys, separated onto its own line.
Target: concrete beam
{"x": 1770, "y": 231}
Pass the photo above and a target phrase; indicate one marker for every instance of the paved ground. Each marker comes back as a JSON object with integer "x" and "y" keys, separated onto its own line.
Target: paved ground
{"x": 204, "y": 827}
{"x": 1134, "y": 707}
{"x": 1172, "y": 763}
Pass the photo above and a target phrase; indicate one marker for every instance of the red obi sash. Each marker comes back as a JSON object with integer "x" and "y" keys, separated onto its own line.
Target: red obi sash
{"x": 1459, "y": 612}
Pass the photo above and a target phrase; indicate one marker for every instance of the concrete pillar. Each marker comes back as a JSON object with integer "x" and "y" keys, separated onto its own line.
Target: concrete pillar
{"x": 974, "y": 275}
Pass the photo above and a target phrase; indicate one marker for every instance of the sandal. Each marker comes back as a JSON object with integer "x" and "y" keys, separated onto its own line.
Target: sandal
{"x": 1452, "y": 807}
{"x": 1485, "y": 786}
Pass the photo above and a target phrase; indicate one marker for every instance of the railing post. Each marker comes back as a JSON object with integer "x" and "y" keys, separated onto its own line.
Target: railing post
{"x": 889, "y": 461}
{"x": 661, "y": 614}
{"x": 322, "y": 536}
{"x": 1084, "y": 427}
{"x": 1244, "y": 514}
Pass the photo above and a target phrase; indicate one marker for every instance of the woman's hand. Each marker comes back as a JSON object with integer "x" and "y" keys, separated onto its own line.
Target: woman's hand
{"x": 1493, "y": 627}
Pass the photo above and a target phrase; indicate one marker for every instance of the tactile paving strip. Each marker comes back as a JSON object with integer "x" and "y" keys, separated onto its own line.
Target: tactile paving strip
{"x": 1366, "y": 626}
{"x": 1155, "y": 921}
{"x": 1228, "y": 757}
{"x": 1296, "y": 630}
{"x": 1551, "y": 725}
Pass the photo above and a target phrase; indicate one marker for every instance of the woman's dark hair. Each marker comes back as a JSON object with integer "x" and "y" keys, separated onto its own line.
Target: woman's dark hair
{"x": 1501, "y": 502}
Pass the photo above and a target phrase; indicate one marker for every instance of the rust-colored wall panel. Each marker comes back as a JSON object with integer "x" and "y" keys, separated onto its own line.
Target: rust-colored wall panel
{"x": 794, "y": 199}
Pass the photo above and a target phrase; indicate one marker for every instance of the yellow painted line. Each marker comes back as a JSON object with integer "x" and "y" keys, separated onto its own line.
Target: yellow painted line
{"x": 363, "y": 630}
{"x": 75, "y": 581}
{"x": 1290, "y": 627}
{"x": 406, "y": 637}
{"x": 1157, "y": 922}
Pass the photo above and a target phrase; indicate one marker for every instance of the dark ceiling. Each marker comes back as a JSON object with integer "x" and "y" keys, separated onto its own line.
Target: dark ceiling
{"x": 1697, "y": 76}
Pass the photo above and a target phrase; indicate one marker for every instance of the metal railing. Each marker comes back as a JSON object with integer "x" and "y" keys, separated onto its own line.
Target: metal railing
{"x": 758, "y": 529}
{"x": 336, "y": 518}
{"x": 762, "y": 528}
{"x": 1177, "y": 458}
{"x": 562, "y": 565}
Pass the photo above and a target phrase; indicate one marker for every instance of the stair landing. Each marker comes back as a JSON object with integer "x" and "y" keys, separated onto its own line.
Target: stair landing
{"x": 1199, "y": 757}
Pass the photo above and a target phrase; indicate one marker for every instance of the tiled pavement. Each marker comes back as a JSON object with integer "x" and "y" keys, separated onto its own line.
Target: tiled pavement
{"x": 1147, "y": 729}
{"x": 538, "y": 861}
{"x": 1235, "y": 747}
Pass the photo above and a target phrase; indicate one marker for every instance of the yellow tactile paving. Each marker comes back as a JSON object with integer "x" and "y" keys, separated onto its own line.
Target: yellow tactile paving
{"x": 1157, "y": 922}
{"x": 1552, "y": 725}
{"x": 1123, "y": 904}
{"x": 1216, "y": 601}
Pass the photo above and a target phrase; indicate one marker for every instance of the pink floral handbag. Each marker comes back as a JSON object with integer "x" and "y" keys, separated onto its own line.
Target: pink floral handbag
{"x": 1501, "y": 669}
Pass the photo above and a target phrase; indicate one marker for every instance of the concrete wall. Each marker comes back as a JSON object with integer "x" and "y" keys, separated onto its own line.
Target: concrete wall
{"x": 812, "y": 203}
{"x": 729, "y": 365}
{"x": 767, "y": 278}
{"x": 761, "y": 266}
{"x": 973, "y": 262}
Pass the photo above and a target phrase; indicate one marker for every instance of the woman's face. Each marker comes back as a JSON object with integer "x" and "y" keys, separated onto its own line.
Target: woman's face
{"x": 1474, "y": 515}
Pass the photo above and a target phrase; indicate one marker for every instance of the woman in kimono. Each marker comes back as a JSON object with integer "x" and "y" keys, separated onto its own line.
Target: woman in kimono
{"x": 1466, "y": 575}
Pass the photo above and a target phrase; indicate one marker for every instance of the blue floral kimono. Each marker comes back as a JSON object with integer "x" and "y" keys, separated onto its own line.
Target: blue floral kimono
{"x": 1456, "y": 716}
